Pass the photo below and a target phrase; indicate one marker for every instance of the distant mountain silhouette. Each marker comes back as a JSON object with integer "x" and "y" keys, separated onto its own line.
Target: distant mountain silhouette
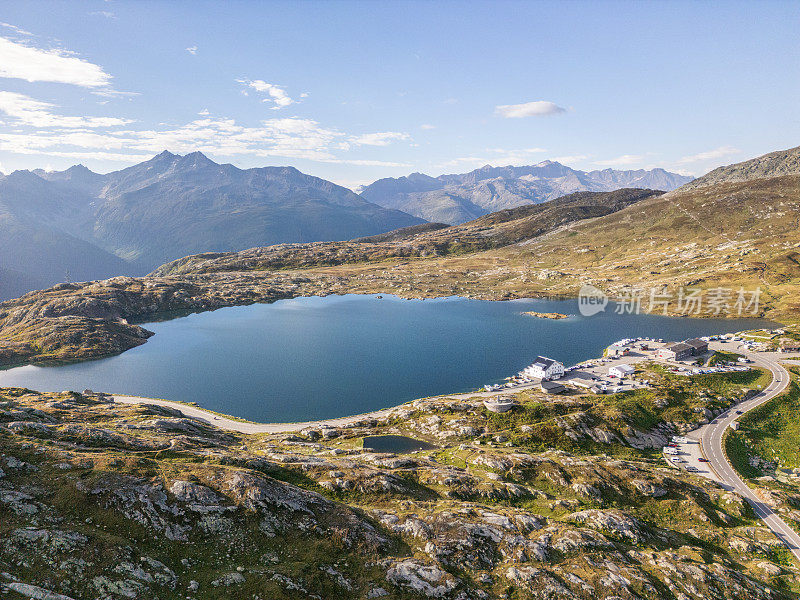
{"x": 459, "y": 198}
{"x": 82, "y": 225}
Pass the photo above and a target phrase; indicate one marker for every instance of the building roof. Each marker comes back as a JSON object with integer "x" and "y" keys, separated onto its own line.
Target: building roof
{"x": 552, "y": 386}
{"x": 544, "y": 362}
{"x": 581, "y": 379}
{"x": 696, "y": 343}
{"x": 624, "y": 367}
{"x": 678, "y": 347}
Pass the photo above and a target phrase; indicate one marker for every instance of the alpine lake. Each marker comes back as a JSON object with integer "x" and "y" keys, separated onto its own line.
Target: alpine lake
{"x": 323, "y": 357}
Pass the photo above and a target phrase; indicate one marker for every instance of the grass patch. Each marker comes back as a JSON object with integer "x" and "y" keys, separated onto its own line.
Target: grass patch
{"x": 738, "y": 453}
{"x": 722, "y": 356}
{"x": 771, "y": 430}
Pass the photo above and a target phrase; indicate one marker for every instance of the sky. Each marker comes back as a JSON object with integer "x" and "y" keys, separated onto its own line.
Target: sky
{"x": 357, "y": 91}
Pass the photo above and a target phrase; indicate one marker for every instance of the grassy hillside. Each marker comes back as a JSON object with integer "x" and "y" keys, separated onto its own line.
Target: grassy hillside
{"x": 731, "y": 234}
{"x": 496, "y": 230}
{"x": 769, "y": 432}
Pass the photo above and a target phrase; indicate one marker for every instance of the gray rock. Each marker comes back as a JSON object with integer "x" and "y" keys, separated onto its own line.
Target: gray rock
{"x": 34, "y": 592}
{"x": 229, "y": 579}
{"x": 425, "y": 579}
{"x": 613, "y": 521}
{"x": 648, "y": 489}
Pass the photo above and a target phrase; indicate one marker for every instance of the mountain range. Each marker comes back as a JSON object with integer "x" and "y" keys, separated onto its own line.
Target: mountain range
{"x": 80, "y": 225}
{"x": 458, "y": 198}
{"x": 734, "y": 231}
{"x": 77, "y": 225}
{"x": 118, "y": 488}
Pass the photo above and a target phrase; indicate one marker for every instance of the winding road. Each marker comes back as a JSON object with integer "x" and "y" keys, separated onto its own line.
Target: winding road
{"x": 710, "y": 438}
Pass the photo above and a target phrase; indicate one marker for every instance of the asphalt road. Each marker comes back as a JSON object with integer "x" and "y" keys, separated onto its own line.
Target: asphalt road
{"x": 242, "y": 426}
{"x": 710, "y": 438}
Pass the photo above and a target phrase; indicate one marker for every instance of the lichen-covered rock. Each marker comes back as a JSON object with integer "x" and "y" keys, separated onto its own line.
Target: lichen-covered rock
{"x": 229, "y": 579}
{"x": 34, "y": 592}
{"x": 425, "y": 579}
{"x": 611, "y": 521}
{"x": 648, "y": 488}
{"x": 458, "y": 521}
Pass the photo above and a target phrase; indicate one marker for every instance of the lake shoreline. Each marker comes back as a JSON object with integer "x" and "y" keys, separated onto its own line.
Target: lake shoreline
{"x": 356, "y": 355}
{"x": 119, "y": 329}
{"x": 234, "y": 423}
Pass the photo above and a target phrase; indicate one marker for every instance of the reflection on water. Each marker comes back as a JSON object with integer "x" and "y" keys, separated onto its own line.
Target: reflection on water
{"x": 319, "y": 358}
{"x": 399, "y": 444}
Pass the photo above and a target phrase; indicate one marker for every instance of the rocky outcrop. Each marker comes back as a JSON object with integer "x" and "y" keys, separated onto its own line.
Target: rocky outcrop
{"x": 228, "y": 514}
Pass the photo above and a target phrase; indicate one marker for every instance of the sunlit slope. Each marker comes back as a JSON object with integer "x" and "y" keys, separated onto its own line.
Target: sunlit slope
{"x": 728, "y": 234}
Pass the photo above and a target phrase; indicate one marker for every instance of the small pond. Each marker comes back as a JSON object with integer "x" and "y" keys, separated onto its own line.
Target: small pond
{"x": 399, "y": 444}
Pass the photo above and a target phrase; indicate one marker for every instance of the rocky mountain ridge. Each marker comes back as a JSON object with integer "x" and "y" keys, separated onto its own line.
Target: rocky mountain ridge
{"x": 80, "y": 225}
{"x": 458, "y": 198}
{"x": 774, "y": 164}
{"x": 89, "y": 320}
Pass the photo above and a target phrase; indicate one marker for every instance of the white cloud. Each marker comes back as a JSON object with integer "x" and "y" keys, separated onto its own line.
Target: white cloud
{"x": 27, "y": 111}
{"x": 621, "y": 161}
{"x": 538, "y": 108}
{"x": 368, "y": 163}
{"x": 100, "y": 155}
{"x": 570, "y": 158}
{"x": 109, "y": 93}
{"x": 293, "y": 138}
{"x": 20, "y": 61}
{"x": 276, "y": 93}
{"x": 355, "y": 185}
{"x": 523, "y": 151}
{"x": 15, "y": 29}
{"x": 427, "y": 126}
{"x": 383, "y": 138}
{"x": 714, "y": 154}
{"x": 192, "y": 49}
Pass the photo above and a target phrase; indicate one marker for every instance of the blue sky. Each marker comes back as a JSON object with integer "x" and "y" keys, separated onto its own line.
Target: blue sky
{"x": 355, "y": 91}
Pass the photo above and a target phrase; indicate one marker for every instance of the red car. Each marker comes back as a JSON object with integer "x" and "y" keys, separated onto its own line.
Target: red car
{"x": 703, "y": 459}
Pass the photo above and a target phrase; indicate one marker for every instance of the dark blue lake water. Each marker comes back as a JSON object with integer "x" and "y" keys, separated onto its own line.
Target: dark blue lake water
{"x": 318, "y": 358}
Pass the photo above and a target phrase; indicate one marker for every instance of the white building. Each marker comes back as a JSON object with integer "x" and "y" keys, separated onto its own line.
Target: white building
{"x": 621, "y": 371}
{"x": 544, "y": 368}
